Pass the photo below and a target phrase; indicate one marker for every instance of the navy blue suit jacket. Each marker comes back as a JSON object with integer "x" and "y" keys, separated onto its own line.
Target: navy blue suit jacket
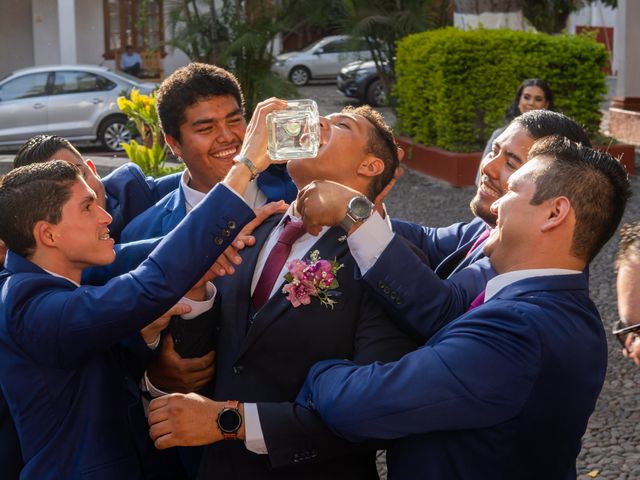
{"x": 439, "y": 258}
{"x": 503, "y": 392}
{"x": 264, "y": 357}
{"x": 59, "y": 363}
{"x": 163, "y": 217}
{"x": 129, "y": 193}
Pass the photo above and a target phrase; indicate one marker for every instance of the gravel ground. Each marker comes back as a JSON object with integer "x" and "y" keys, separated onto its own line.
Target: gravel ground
{"x": 611, "y": 445}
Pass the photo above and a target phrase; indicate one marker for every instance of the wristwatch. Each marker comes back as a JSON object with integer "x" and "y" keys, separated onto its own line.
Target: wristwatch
{"x": 247, "y": 163}
{"x": 359, "y": 209}
{"x": 229, "y": 420}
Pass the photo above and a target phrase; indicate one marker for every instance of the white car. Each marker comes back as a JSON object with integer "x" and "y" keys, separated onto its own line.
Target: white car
{"x": 78, "y": 102}
{"x": 321, "y": 60}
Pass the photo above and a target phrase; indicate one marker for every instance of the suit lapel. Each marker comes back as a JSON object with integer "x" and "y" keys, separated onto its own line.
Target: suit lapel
{"x": 238, "y": 286}
{"x": 330, "y": 246}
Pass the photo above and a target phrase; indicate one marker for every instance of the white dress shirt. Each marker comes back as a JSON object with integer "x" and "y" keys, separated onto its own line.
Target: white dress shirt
{"x": 253, "y": 196}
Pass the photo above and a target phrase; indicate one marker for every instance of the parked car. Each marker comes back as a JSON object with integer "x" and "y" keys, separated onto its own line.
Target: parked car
{"x": 360, "y": 80}
{"x": 322, "y": 59}
{"x": 77, "y": 102}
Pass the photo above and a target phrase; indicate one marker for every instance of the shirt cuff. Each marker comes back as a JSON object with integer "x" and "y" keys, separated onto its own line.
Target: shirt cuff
{"x": 254, "y": 439}
{"x": 147, "y": 386}
{"x": 369, "y": 241}
{"x": 198, "y": 308}
{"x": 153, "y": 345}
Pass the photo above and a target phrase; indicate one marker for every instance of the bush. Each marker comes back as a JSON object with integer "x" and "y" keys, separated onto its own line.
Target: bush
{"x": 453, "y": 86}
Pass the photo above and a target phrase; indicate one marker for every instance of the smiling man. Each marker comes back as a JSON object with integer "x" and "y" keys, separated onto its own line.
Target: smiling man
{"x": 201, "y": 111}
{"x": 506, "y": 390}
{"x": 62, "y": 356}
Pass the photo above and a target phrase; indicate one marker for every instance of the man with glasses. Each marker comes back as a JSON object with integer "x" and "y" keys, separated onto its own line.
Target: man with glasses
{"x": 628, "y": 287}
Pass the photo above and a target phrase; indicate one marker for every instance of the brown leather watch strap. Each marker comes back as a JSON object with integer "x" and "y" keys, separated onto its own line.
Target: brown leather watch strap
{"x": 234, "y": 406}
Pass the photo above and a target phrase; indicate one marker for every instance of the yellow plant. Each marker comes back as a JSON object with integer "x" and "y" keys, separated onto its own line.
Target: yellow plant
{"x": 151, "y": 153}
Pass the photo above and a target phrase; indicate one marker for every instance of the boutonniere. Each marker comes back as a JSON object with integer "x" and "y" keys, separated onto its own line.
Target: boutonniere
{"x": 311, "y": 278}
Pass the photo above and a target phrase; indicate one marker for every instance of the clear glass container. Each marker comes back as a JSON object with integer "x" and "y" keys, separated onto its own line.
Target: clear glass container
{"x": 294, "y": 132}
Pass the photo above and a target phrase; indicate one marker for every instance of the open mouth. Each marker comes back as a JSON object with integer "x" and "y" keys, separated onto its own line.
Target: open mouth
{"x": 488, "y": 190}
{"x": 105, "y": 236}
{"x": 227, "y": 152}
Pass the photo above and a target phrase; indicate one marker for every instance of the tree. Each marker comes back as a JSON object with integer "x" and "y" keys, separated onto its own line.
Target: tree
{"x": 384, "y": 22}
{"x": 238, "y": 35}
{"x": 550, "y": 16}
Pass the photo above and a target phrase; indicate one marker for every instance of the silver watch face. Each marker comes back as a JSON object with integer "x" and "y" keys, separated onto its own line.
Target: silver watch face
{"x": 360, "y": 207}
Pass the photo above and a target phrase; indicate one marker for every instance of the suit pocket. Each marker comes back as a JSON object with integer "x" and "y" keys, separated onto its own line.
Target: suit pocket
{"x": 122, "y": 468}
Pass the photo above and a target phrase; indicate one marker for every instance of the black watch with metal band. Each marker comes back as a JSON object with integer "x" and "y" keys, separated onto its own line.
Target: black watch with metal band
{"x": 229, "y": 420}
{"x": 359, "y": 209}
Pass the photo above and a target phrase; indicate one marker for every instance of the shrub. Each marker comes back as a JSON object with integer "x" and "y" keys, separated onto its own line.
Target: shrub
{"x": 453, "y": 86}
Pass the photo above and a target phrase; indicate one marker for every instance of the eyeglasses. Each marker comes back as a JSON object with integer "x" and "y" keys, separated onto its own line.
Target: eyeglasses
{"x": 622, "y": 329}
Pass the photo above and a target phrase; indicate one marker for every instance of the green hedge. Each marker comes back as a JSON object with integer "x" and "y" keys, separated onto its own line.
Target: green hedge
{"x": 453, "y": 86}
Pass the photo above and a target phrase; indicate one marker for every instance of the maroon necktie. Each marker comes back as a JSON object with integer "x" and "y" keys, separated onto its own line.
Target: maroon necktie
{"x": 275, "y": 261}
{"x": 479, "y": 300}
{"x": 483, "y": 236}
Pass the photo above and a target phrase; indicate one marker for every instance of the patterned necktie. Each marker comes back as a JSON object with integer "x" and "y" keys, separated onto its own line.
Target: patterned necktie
{"x": 483, "y": 236}
{"x": 479, "y": 300}
{"x": 275, "y": 261}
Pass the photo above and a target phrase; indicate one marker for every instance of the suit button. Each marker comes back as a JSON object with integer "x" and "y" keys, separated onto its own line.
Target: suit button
{"x": 381, "y": 284}
{"x": 386, "y": 289}
{"x": 238, "y": 369}
{"x": 310, "y": 403}
{"x": 393, "y": 295}
{"x": 226, "y": 232}
{"x": 217, "y": 241}
{"x": 399, "y": 301}
{"x": 231, "y": 225}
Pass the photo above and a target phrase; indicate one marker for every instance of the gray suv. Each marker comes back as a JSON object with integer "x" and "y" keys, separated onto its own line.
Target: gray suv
{"x": 78, "y": 102}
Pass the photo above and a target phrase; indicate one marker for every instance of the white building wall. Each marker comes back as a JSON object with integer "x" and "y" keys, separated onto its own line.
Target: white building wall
{"x": 16, "y": 36}
{"x": 89, "y": 31}
{"x": 46, "y": 43}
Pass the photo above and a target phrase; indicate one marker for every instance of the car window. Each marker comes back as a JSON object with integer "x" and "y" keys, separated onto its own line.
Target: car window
{"x": 336, "y": 46}
{"x": 80, "y": 82}
{"x": 26, "y": 86}
{"x": 346, "y": 45}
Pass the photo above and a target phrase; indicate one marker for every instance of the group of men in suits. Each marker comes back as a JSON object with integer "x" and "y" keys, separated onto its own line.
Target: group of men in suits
{"x": 486, "y": 379}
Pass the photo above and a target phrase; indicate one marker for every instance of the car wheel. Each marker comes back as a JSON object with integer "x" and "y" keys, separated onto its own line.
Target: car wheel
{"x": 376, "y": 94}
{"x": 299, "y": 76}
{"x": 113, "y": 133}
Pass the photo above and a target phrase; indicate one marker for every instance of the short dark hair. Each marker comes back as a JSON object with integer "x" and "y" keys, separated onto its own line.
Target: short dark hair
{"x": 382, "y": 143}
{"x": 513, "y": 110}
{"x": 629, "y": 247}
{"x": 542, "y": 123}
{"x": 30, "y": 194}
{"x": 188, "y": 85}
{"x": 595, "y": 183}
{"x": 41, "y": 148}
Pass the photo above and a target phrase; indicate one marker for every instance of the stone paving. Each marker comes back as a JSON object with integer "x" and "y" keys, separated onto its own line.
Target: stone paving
{"x": 611, "y": 445}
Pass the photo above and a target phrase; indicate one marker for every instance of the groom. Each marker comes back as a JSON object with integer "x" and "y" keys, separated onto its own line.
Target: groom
{"x": 267, "y": 343}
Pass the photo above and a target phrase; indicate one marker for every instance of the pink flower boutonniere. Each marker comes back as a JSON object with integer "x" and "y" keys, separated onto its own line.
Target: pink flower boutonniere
{"x": 312, "y": 278}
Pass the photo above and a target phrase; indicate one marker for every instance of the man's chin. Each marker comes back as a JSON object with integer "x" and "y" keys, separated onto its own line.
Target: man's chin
{"x": 483, "y": 211}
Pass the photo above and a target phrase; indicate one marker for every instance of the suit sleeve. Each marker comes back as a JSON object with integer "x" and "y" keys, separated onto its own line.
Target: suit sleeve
{"x": 436, "y": 243}
{"x": 297, "y": 435}
{"x": 414, "y": 296}
{"x": 476, "y": 373}
{"x": 128, "y": 257}
{"x": 64, "y": 327}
